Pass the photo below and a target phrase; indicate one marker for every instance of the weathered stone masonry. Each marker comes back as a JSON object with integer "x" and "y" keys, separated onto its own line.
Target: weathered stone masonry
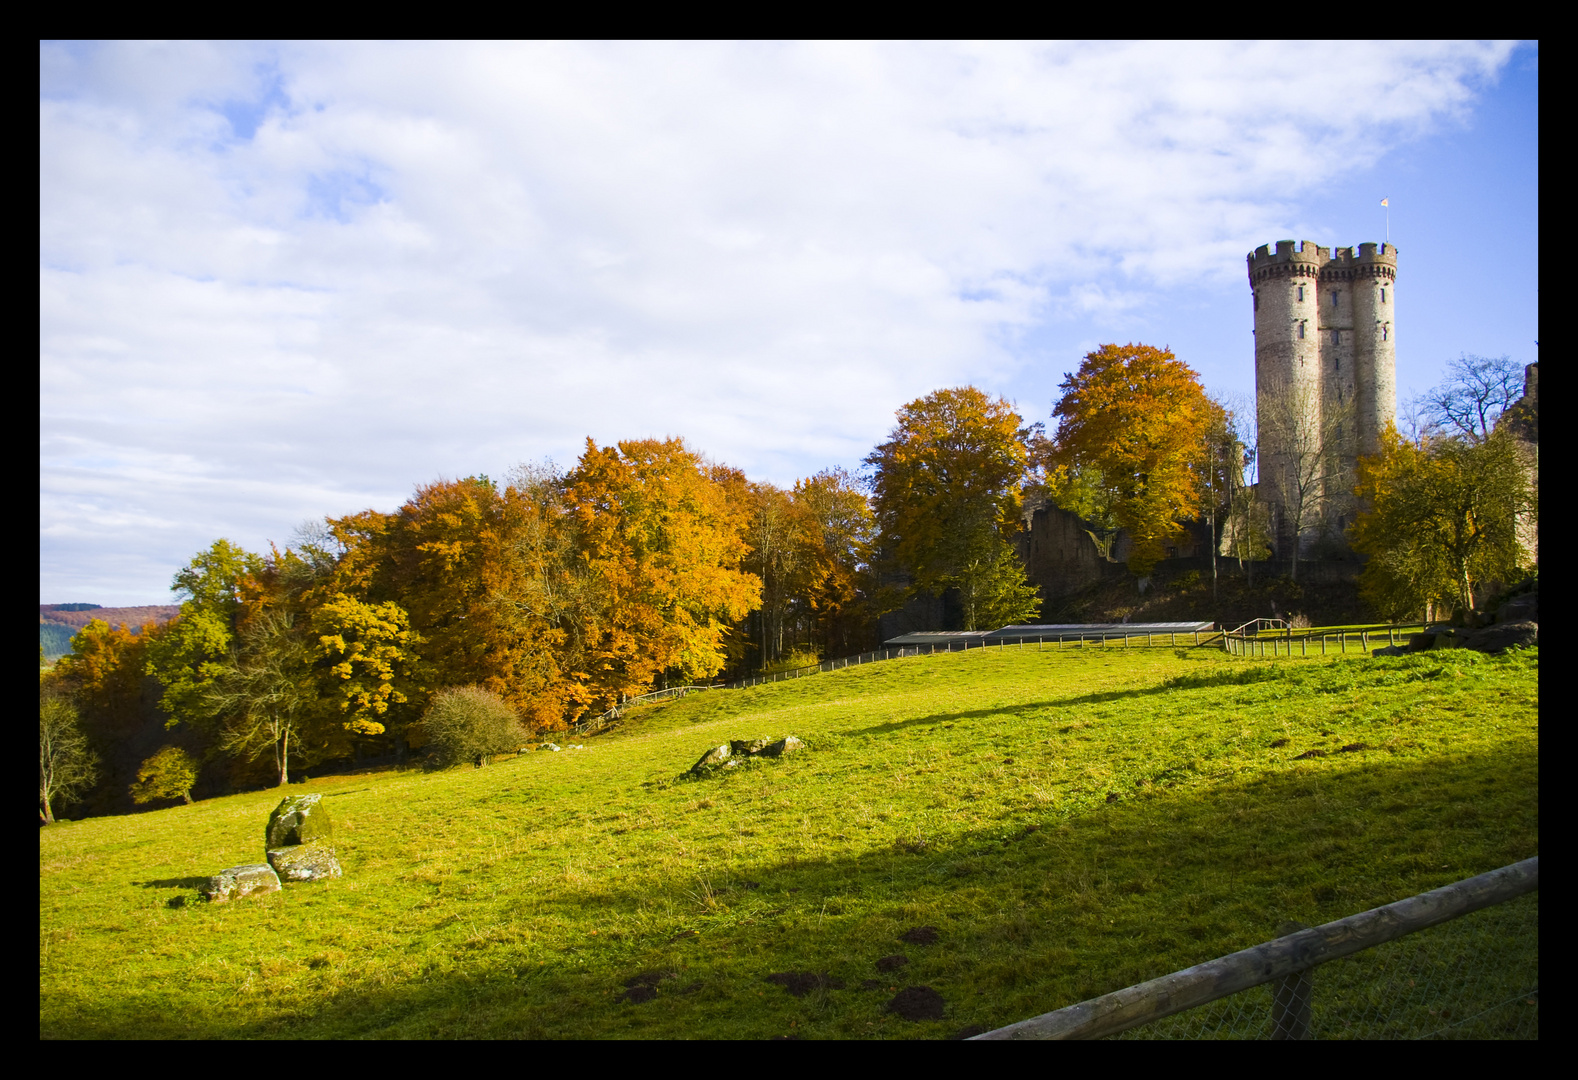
{"x": 1325, "y": 337}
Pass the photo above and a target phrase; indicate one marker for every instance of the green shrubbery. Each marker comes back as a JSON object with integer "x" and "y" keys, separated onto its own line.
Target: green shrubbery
{"x": 169, "y": 774}
{"x": 469, "y": 723}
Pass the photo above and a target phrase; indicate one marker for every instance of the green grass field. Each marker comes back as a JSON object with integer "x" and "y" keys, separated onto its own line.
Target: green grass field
{"x": 1070, "y": 821}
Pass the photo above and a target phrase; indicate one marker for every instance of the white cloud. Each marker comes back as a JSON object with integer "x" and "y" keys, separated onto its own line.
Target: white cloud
{"x": 277, "y": 282}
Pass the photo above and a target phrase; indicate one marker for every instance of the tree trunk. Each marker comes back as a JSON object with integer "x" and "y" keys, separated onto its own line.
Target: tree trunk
{"x": 187, "y": 795}
{"x": 49, "y": 815}
{"x": 284, "y": 758}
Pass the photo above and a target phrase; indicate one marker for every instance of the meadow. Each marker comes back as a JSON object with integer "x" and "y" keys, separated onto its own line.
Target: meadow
{"x": 1055, "y": 823}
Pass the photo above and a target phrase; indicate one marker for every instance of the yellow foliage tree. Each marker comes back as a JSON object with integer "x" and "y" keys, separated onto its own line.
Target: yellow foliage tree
{"x": 1439, "y": 519}
{"x": 946, "y": 494}
{"x": 1130, "y": 440}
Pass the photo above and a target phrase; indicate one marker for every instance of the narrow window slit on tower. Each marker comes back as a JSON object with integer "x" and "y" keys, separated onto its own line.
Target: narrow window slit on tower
{"x": 1383, "y": 294}
{"x": 1301, "y": 292}
{"x": 1301, "y": 331}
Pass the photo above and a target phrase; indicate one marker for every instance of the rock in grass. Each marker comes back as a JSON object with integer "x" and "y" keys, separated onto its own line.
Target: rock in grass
{"x": 712, "y": 759}
{"x": 312, "y": 861}
{"x": 737, "y": 751}
{"x": 1503, "y": 636}
{"x": 241, "y": 881}
{"x": 296, "y": 820}
{"x": 781, "y": 747}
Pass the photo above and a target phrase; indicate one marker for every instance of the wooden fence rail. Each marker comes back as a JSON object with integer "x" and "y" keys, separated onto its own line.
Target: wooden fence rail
{"x": 1286, "y": 960}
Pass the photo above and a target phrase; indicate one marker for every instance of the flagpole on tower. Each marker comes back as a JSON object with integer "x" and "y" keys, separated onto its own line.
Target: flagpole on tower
{"x": 1387, "y": 202}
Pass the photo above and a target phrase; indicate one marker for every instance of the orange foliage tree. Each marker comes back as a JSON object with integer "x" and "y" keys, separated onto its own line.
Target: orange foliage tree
{"x": 1131, "y": 437}
{"x": 451, "y": 561}
{"x": 662, "y": 540}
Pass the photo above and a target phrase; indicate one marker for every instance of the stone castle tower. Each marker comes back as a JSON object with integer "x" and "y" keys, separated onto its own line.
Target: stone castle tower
{"x": 1325, "y": 377}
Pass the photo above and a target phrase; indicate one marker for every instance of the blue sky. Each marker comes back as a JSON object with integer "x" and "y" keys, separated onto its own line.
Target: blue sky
{"x": 279, "y": 282}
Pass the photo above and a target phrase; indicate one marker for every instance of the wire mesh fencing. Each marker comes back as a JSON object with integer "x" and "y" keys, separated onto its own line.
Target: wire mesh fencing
{"x": 1475, "y": 977}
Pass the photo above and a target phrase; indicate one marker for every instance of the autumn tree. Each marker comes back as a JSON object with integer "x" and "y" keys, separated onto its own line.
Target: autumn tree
{"x": 67, "y": 765}
{"x": 946, "y": 497}
{"x": 664, "y": 544}
{"x": 169, "y": 774}
{"x": 103, "y": 675}
{"x": 457, "y": 559}
{"x": 840, "y": 583}
{"x": 1130, "y": 444}
{"x": 365, "y": 655}
{"x": 1439, "y": 520}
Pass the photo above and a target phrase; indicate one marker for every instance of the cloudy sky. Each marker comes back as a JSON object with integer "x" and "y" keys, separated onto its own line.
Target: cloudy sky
{"x": 278, "y": 282}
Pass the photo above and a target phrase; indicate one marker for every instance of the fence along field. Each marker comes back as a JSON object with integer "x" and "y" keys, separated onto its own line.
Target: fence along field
{"x": 1069, "y": 821}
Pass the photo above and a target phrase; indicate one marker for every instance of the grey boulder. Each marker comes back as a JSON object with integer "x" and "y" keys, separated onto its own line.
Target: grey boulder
{"x": 298, "y": 819}
{"x": 713, "y": 758}
{"x": 1502, "y": 636}
{"x": 241, "y": 881}
{"x": 782, "y": 747}
{"x": 312, "y": 861}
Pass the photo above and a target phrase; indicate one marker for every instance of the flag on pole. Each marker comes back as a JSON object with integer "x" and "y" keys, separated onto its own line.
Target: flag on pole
{"x": 1386, "y": 202}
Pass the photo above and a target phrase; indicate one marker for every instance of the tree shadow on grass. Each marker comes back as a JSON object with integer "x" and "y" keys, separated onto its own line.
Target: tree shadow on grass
{"x": 1035, "y": 910}
{"x": 1026, "y": 706}
{"x": 1245, "y": 676}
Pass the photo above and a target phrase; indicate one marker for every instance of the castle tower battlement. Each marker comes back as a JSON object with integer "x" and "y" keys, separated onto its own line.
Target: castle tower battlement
{"x": 1325, "y": 374}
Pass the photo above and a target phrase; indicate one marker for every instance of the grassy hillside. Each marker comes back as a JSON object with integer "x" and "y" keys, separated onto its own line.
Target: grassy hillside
{"x": 1068, "y": 822}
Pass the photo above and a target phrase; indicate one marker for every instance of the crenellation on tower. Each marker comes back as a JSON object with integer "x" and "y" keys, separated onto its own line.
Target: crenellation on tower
{"x": 1325, "y": 374}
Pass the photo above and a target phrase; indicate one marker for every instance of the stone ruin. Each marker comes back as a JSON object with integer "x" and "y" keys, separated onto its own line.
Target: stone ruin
{"x": 297, "y": 843}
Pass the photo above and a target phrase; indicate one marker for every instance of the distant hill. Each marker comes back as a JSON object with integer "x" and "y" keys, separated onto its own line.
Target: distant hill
{"x": 57, "y": 622}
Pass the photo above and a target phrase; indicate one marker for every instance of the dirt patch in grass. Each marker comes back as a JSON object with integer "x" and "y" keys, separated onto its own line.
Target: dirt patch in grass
{"x": 918, "y": 1003}
{"x": 920, "y": 935}
{"x": 892, "y": 963}
{"x": 801, "y": 983}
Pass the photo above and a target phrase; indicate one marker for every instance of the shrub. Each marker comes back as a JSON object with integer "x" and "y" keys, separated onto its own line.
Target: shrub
{"x": 1188, "y": 580}
{"x": 169, "y": 774}
{"x": 468, "y": 723}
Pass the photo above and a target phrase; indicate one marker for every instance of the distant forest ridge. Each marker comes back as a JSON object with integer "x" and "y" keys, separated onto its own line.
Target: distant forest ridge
{"x": 57, "y": 622}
